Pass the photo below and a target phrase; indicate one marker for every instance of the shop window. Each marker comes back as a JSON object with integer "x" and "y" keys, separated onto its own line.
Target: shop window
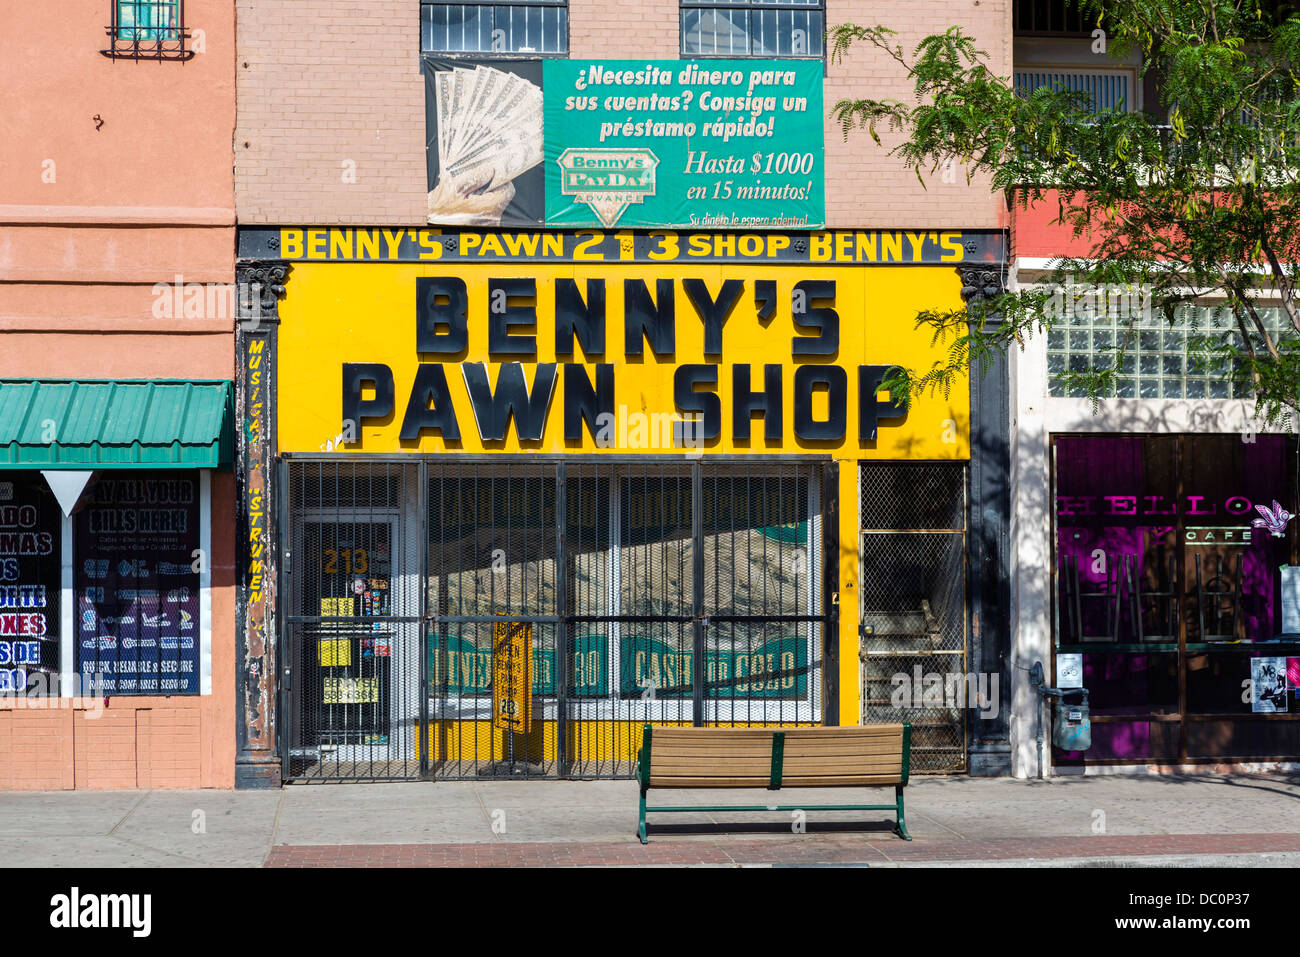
{"x": 136, "y": 582}
{"x": 148, "y": 30}
{"x": 1176, "y": 597}
{"x": 642, "y": 590}
{"x": 30, "y": 559}
{"x": 538, "y": 27}
{"x": 1156, "y": 362}
{"x": 753, "y": 28}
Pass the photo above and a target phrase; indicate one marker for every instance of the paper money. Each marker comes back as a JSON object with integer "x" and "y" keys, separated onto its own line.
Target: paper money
{"x": 489, "y": 132}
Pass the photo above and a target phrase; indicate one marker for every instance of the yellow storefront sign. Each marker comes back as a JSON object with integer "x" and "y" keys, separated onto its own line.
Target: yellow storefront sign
{"x": 614, "y": 357}
{"x": 512, "y": 676}
{"x": 350, "y": 691}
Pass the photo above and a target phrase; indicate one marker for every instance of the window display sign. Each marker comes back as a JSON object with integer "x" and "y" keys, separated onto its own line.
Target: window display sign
{"x": 626, "y": 143}
{"x": 774, "y": 669}
{"x": 29, "y": 588}
{"x": 458, "y": 667}
{"x": 512, "y": 676}
{"x": 136, "y": 584}
{"x": 1268, "y": 685}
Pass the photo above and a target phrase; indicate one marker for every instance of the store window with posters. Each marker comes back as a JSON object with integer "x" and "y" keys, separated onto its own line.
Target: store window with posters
{"x": 1177, "y": 598}
{"x": 30, "y": 549}
{"x": 137, "y": 562}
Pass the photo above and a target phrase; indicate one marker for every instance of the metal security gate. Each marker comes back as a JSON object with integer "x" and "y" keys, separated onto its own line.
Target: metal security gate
{"x": 619, "y": 592}
{"x": 913, "y": 652}
{"x": 350, "y": 702}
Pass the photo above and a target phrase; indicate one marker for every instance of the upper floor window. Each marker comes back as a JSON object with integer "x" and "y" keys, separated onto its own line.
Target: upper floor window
{"x": 148, "y": 30}
{"x": 508, "y": 27}
{"x": 1051, "y": 18}
{"x": 753, "y": 28}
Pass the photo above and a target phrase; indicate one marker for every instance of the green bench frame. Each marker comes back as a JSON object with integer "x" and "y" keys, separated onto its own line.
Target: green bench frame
{"x": 778, "y": 748}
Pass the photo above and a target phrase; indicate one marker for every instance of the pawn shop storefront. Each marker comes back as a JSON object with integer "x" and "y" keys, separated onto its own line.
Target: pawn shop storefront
{"x": 524, "y": 492}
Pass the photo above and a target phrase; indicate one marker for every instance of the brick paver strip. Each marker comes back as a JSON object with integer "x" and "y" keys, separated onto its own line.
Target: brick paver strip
{"x": 807, "y": 850}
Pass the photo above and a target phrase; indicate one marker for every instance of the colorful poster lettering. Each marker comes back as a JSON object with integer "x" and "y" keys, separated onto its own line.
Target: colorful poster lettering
{"x": 29, "y": 588}
{"x": 136, "y": 580}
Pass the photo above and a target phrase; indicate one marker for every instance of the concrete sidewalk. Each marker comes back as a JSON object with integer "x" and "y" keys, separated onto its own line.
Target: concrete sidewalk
{"x": 1118, "y": 821}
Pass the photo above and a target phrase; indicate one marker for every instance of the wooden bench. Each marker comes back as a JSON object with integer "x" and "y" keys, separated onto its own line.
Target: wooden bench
{"x": 871, "y": 756}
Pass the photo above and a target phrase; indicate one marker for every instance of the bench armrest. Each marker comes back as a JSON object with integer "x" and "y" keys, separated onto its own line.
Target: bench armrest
{"x": 643, "y": 759}
{"x": 907, "y": 750}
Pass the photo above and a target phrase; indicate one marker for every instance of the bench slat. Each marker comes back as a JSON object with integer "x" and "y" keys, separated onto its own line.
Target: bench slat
{"x": 846, "y": 781}
{"x": 763, "y": 763}
{"x": 863, "y": 731}
{"x": 804, "y": 744}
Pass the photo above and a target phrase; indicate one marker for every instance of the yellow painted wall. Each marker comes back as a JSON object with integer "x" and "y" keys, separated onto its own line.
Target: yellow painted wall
{"x": 477, "y": 740}
{"x": 345, "y": 312}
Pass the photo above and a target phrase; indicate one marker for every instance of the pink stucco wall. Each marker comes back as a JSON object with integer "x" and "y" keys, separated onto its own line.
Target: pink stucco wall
{"x": 118, "y": 178}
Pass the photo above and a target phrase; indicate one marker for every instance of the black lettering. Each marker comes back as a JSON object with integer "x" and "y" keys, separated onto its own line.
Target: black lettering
{"x": 573, "y": 317}
{"x": 504, "y": 315}
{"x": 689, "y": 401}
{"x": 768, "y": 402}
{"x": 641, "y": 318}
{"x": 430, "y": 386}
{"x": 824, "y": 319}
{"x": 432, "y": 313}
{"x": 493, "y": 411}
{"x": 808, "y": 379}
{"x": 870, "y": 409}
{"x": 356, "y": 375}
{"x": 585, "y": 403}
{"x": 765, "y": 299}
{"x": 713, "y": 313}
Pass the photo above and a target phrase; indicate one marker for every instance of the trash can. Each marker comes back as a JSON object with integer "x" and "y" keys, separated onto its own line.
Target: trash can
{"x": 1072, "y": 727}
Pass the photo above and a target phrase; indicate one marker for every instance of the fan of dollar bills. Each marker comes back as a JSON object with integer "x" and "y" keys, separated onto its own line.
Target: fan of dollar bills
{"x": 489, "y": 132}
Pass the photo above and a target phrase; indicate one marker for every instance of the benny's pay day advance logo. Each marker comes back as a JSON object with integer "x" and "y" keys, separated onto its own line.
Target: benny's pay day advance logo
{"x": 608, "y": 180}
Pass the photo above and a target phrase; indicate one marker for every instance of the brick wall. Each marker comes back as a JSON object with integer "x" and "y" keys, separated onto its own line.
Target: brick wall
{"x": 320, "y": 87}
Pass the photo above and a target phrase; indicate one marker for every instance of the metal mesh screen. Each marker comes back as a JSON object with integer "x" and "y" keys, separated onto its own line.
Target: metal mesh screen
{"x": 670, "y": 592}
{"x": 762, "y": 584}
{"x": 913, "y": 594}
{"x": 492, "y": 549}
{"x": 352, "y": 628}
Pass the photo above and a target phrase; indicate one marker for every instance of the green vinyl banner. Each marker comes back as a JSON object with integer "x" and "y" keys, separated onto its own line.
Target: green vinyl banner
{"x": 734, "y": 144}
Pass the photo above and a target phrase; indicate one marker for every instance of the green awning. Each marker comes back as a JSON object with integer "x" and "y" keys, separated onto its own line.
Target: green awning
{"x": 116, "y": 423}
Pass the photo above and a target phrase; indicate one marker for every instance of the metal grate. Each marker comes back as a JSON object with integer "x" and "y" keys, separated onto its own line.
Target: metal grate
{"x": 148, "y": 30}
{"x": 670, "y": 592}
{"x": 913, "y": 595}
{"x": 753, "y": 28}
{"x": 1061, "y": 18}
{"x": 1108, "y": 90}
{"x": 353, "y": 628}
{"x": 512, "y": 27}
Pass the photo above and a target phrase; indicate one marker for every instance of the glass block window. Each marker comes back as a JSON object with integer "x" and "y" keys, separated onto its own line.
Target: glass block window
{"x": 1156, "y": 364}
{"x": 753, "y": 28}
{"x": 538, "y": 27}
